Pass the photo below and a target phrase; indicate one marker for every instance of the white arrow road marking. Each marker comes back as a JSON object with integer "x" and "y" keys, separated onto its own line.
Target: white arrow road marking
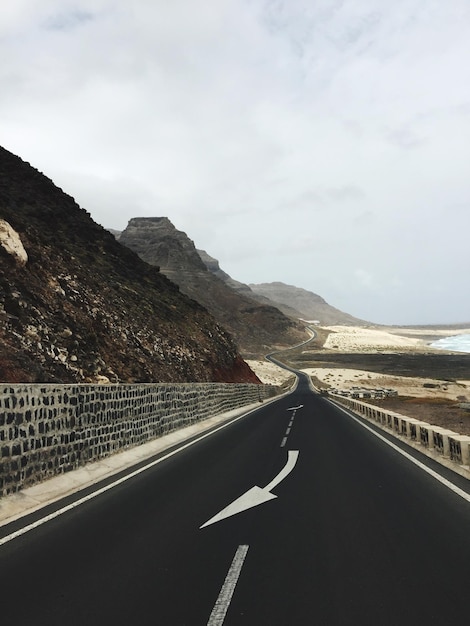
{"x": 292, "y": 457}
{"x": 256, "y": 495}
{"x": 294, "y": 408}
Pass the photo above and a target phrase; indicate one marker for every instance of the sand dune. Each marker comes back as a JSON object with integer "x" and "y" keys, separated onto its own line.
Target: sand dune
{"x": 358, "y": 339}
{"x": 364, "y": 340}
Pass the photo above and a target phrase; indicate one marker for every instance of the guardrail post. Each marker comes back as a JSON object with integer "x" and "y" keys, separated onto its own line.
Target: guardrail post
{"x": 460, "y": 449}
{"x": 446, "y": 443}
{"x": 441, "y": 440}
{"x": 412, "y": 429}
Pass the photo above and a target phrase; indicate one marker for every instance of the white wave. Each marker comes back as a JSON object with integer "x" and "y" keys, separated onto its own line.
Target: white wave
{"x": 457, "y": 343}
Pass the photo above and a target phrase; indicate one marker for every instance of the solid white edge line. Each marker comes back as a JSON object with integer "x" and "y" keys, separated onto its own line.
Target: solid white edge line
{"x": 447, "y": 483}
{"x": 225, "y": 596}
{"x": 90, "y": 496}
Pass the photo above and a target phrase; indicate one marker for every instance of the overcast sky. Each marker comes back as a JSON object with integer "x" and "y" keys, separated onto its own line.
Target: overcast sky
{"x": 325, "y": 144}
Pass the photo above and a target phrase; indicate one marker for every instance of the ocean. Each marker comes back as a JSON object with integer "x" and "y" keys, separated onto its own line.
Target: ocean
{"x": 458, "y": 343}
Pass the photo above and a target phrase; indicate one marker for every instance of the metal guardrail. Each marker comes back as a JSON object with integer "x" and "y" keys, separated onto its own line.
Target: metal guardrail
{"x": 450, "y": 448}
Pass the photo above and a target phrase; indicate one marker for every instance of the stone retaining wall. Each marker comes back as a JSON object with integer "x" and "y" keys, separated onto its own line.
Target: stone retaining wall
{"x": 49, "y": 429}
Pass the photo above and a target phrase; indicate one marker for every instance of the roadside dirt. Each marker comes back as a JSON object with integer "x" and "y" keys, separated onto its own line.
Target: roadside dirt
{"x": 438, "y": 411}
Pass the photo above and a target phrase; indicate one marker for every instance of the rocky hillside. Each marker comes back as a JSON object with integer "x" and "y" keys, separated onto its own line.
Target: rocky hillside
{"x": 214, "y": 267}
{"x": 76, "y": 305}
{"x": 257, "y": 327}
{"x": 310, "y": 305}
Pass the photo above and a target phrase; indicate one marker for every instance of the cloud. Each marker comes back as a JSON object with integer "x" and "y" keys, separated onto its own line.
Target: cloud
{"x": 346, "y": 193}
{"x": 291, "y": 140}
{"x": 405, "y": 138}
{"x": 68, "y": 21}
{"x": 364, "y": 278}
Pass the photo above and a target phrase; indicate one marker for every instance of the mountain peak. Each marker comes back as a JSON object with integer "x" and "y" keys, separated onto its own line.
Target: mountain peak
{"x": 257, "y": 327}
{"x": 158, "y": 242}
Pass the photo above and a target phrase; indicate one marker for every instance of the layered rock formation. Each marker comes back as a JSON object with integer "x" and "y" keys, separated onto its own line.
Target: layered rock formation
{"x": 257, "y": 327}
{"x": 75, "y": 305}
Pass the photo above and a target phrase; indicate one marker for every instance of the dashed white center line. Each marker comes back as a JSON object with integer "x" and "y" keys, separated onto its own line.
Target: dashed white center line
{"x": 225, "y": 596}
{"x": 289, "y": 428}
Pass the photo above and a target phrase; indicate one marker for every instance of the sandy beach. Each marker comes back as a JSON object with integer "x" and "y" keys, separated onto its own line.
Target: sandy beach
{"x": 355, "y": 339}
{"x": 404, "y": 340}
{"x": 358, "y": 339}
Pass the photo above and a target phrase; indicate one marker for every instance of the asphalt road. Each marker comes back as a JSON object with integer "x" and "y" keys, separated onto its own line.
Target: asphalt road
{"x": 356, "y": 535}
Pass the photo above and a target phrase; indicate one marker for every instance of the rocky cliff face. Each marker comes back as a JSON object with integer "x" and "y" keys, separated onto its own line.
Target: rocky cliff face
{"x": 76, "y": 305}
{"x": 214, "y": 267}
{"x": 310, "y": 305}
{"x": 257, "y": 327}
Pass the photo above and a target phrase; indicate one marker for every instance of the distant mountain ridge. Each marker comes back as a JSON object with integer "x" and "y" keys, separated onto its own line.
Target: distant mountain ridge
{"x": 213, "y": 266}
{"x": 77, "y": 306}
{"x": 310, "y": 305}
{"x": 293, "y": 301}
{"x": 256, "y": 326}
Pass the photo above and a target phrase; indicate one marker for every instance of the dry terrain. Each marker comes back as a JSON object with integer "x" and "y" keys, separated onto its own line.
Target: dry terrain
{"x": 269, "y": 373}
{"x": 431, "y": 384}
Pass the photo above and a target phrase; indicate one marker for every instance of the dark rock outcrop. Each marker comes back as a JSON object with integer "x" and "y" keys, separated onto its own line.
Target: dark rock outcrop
{"x": 79, "y": 306}
{"x": 257, "y": 327}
